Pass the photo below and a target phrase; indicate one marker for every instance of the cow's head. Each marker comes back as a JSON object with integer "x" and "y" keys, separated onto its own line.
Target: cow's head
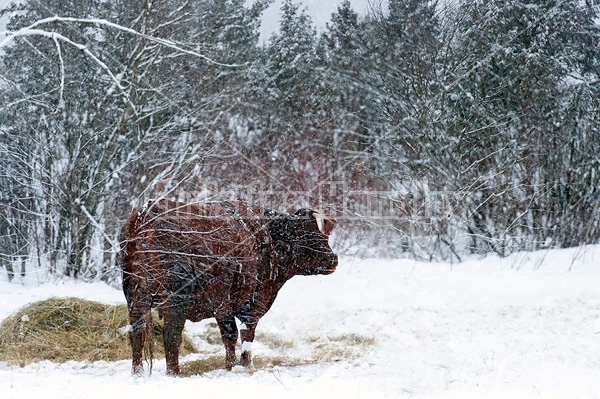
{"x": 301, "y": 242}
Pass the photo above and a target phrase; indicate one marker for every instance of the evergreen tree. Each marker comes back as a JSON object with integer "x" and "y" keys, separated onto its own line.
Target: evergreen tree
{"x": 348, "y": 95}
{"x": 403, "y": 45}
{"x": 504, "y": 122}
{"x": 291, "y": 59}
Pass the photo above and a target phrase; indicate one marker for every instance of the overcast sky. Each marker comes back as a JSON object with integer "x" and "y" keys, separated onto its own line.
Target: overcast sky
{"x": 3, "y": 4}
{"x": 319, "y": 10}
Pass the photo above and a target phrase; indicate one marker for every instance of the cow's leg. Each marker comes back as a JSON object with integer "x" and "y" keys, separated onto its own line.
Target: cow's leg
{"x": 247, "y": 330}
{"x": 139, "y": 319}
{"x": 136, "y": 339}
{"x": 229, "y": 335}
{"x": 172, "y": 339}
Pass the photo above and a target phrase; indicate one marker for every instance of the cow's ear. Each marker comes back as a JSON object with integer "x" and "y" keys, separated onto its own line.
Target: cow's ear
{"x": 328, "y": 225}
{"x": 325, "y": 225}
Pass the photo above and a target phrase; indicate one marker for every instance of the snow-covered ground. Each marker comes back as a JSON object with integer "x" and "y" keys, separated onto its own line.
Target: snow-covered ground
{"x": 523, "y": 327}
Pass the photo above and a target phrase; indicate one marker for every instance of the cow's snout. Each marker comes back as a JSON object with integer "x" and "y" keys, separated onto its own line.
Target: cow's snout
{"x": 333, "y": 262}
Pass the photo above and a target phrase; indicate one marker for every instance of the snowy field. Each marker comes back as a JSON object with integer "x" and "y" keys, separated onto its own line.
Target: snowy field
{"x": 523, "y": 327}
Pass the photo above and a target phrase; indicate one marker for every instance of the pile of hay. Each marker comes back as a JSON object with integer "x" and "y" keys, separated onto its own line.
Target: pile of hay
{"x": 63, "y": 329}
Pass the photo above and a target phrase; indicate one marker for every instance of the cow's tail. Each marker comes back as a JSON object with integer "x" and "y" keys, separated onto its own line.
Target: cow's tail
{"x": 148, "y": 332}
{"x": 148, "y": 340}
{"x": 136, "y": 285}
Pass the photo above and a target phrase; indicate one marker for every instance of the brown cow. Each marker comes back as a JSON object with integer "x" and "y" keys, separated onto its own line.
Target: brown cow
{"x": 223, "y": 260}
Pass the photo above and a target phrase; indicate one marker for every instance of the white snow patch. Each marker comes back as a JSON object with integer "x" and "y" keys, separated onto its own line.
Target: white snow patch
{"x": 125, "y": 330}
{"x": 246, "y": 346}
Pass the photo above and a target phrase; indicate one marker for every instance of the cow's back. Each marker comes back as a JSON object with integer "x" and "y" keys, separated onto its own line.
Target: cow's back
{"x": 201, "y": 257}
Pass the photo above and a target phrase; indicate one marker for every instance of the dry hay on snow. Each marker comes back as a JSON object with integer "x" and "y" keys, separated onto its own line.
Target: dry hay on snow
{"x": 280, "y": 351}
{"x": 63, "y": 329}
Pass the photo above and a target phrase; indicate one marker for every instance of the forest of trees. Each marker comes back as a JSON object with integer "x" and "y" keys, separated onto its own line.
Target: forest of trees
{"x": 430, "y": 129}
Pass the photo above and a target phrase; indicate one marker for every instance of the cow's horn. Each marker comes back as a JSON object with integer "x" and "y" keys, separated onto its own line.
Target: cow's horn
{"x": 319, "y": 220}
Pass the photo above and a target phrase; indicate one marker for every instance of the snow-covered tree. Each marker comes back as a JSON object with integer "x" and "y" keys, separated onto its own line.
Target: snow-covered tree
{"x": 506, "y": 142}
{"x": 105, "y": 99}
